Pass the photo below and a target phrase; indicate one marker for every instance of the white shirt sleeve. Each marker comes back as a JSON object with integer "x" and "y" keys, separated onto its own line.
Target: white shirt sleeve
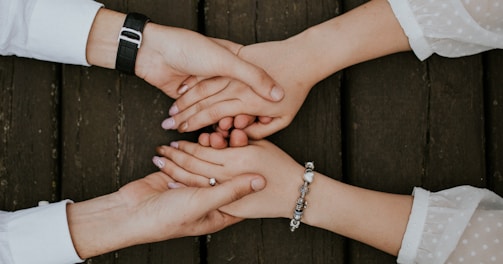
{"x": 51, "y": 30}
{"x": 37, "y": 235}
{"x": 450, "y": 28}
{"x": 458, "y": 225}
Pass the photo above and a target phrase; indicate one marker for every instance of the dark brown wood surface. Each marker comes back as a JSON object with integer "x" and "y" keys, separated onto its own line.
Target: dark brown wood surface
{"x": 389, "y": 124}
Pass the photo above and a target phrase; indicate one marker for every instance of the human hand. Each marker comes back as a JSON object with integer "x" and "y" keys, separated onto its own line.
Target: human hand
{"x": 191, "y": 164}
{"x": 175, "y": 59}
{"x": 208, "y": 102}
{"x": 146, "y": 210}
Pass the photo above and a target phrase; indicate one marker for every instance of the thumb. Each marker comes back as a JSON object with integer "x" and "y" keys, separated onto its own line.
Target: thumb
{"x": 233, "y": 190}
{"x": 255, "y": 77}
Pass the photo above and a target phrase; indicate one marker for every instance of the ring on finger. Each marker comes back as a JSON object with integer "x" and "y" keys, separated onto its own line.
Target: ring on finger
{"x": 213, "y": 181}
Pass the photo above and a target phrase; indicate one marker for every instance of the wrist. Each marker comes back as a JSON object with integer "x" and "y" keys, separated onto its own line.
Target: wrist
{"x": 99, "y": 225}
{"x": 102, "y": 43}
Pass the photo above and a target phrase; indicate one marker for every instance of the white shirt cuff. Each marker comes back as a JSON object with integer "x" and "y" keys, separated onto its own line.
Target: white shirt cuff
{"x": 411, "y": 28}
{"x": 414, "y": 231}
{"x": 41, "y": 235}
{"x": 59, "y": 29}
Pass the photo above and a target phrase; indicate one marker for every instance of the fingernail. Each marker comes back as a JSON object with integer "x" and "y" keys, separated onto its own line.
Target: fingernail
{"x": 173, "y": 110}
{"x": 277, "y": 93}
{"x": 158, "y": 162}
{"x": 160, "y": 151}
{"x": 168, "y": 123}
{"x": 184, "y": 126}
{"x": 174, "y": 185}
{"x": 258, "y": 184}
{"x": 174, "y": 144}
{"x": 183, "y": 89}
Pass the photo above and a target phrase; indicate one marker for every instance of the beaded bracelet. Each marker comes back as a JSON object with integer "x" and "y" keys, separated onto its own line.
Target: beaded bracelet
{"x": 301, "y": 201}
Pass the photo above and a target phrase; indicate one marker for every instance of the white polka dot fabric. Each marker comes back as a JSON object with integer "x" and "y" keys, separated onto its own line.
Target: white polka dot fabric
{"x": 458, "y": 225}
{"x": 450, "y": 28}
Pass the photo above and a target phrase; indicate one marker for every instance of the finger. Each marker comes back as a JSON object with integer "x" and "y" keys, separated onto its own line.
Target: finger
{"x": 231, "y": 191}
{"x": 265, "y": 119}
{"x": 207, "y": 115}
{"x": 225, "y": 123}
{"x": 209, "y": 155}
{"x": 193, "y": 164}
{"x": 259, "y": 130}
{"x": 204, "y": 139}
{"x": 242, "y": 121}
{"x": 238, "y": 138}
{"x": 176, "y": 185}
{"x": 188, "y": 83}
{"x": 217, "y": 141}
{"x": 224, "y": 132}
{"x": 197, "y": 91}
{"x": 261, "y": 83}
{"x": 179, "y": 174}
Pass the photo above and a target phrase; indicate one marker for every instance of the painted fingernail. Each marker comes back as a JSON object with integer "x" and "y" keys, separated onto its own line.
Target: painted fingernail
{"x": 158, "y": 162}
{"x": 168, "y": 123}
{"x": 258, "y": 184}
{"x": 183, "y": 89}
{"x": 174, "y": 144}
{"x": 174, "y": 185}
{"x": 277, "y": 93}
{"x": 173, "y": 110}
{"x": 184, "y": 126}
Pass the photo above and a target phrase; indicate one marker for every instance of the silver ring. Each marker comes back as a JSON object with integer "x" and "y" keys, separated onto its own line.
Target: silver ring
{"x": 213, "y": 181}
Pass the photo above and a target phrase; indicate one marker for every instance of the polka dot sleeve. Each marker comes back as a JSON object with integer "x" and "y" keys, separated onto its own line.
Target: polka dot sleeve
{"x": 459, "y": 225}
{"x": 450, "y": 28}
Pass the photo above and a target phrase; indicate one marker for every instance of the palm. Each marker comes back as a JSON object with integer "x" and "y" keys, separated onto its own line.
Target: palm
{"x": 170, "y": 213}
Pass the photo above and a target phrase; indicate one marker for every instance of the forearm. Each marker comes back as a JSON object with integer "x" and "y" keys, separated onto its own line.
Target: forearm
{"x": 99, "y": 225}
{"x": 102, "y": 43}
{"x": 375, "y": 218}
{"x": 364, "y": 33}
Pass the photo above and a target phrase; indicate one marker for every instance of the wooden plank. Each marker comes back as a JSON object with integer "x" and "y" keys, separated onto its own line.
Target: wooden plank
{"x": 385, "y": 109}
{"x": 112, "y": 126}
{"x": 456, "y": 151}
{"x": 29, "y": 92}
{"x": 494, "y": 119}
{"x": 311, "y": 136}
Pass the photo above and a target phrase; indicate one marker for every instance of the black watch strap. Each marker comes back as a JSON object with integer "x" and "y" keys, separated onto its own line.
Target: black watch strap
{"x": 130, "y": 38}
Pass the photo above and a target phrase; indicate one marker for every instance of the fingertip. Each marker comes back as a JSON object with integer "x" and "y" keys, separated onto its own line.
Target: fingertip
{"x": 158, "y": 162}
{"x": 225, "y": 123}
{"x": 265, "y": 119}
{"x": 175, "y": 185}
{"x": 184, "y": 88}
{"x": 173, "y": 110}
{"x": 217, "y": 141}
{"x": 277, "y": 93}
{"x": 258, "y": 183}
{"x": 160, "y": 150}
{"x": 168, "y": 124}
{"x": 242, "y": 121}
{"x": 204, "y": 139}
{"x": 238, "y": 138}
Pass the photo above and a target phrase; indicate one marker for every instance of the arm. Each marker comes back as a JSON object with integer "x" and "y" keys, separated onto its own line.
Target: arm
{"x": 82, "y": 32}
{"x": 143, "y": 211}
{"x": 310, "y": 56}
{"x": 375, "y": 218}
{"x": 461, "y": 223}
{"x": 146, "y": 211}
{"x": 168, "y": 57}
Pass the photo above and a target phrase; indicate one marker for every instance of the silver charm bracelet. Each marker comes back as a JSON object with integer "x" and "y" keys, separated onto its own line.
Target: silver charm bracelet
{"x": 301, "y": 201}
